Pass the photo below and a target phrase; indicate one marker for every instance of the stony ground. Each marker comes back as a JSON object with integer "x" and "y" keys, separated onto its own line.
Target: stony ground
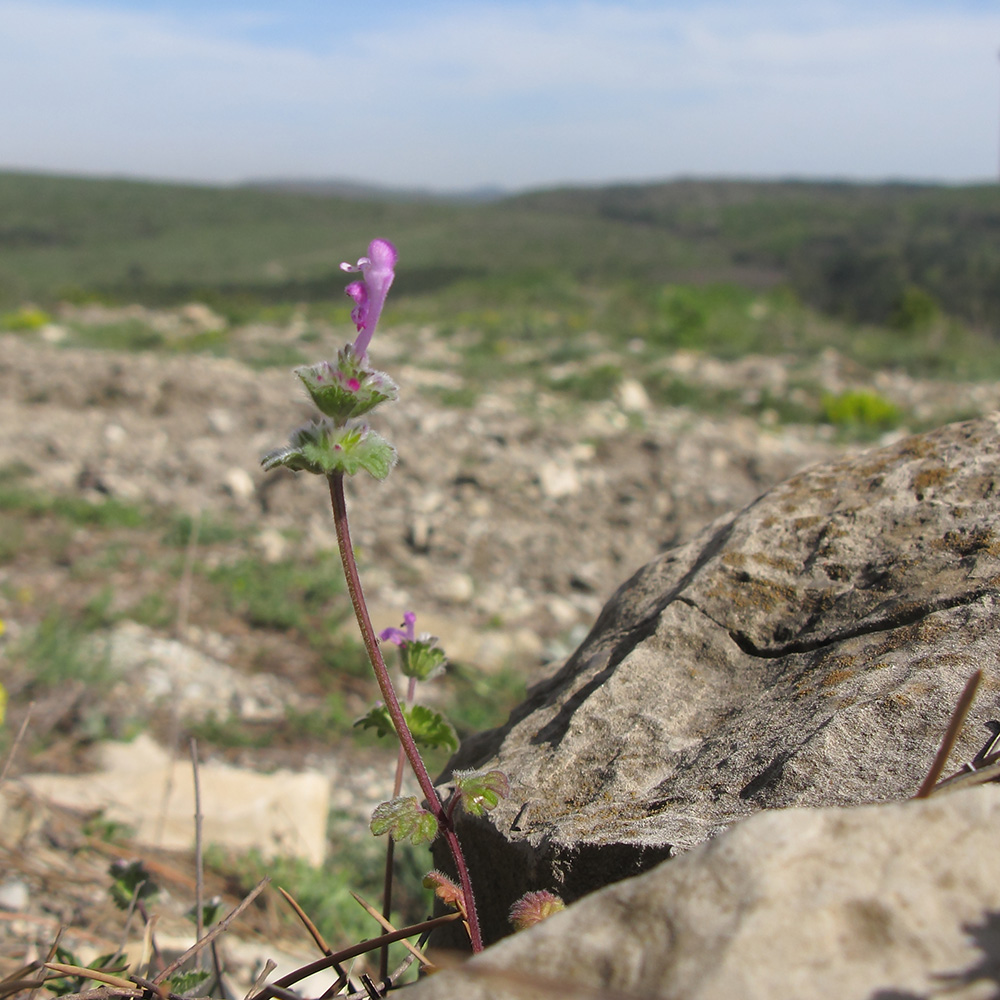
{"x": 505, "y": 527}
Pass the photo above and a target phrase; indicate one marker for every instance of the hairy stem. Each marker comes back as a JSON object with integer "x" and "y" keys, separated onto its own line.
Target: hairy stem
{"x": 397, "y": 786}
{"x": 403, "y": 733}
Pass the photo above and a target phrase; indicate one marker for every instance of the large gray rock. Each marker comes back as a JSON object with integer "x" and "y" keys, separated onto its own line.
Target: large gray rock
{"x": 890, "y": 902}
{"x": 805, "y": 651}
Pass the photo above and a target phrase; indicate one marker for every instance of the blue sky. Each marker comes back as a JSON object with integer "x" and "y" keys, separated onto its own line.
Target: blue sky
{"x": 453, "y": 94}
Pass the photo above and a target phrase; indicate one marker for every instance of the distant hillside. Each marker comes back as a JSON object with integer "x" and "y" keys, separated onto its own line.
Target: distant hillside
{"x": 861, "y": 252}
{"x": 371, "y": 192}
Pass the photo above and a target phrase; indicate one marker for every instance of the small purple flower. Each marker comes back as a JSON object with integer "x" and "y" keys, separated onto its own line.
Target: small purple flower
{"x": 397, "y": 636}
{"x": 369, "y": 294}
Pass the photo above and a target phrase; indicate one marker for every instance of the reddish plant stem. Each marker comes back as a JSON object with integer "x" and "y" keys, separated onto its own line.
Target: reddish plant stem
{"x": 397, "y": 785}
{"x": 406, "y": 741}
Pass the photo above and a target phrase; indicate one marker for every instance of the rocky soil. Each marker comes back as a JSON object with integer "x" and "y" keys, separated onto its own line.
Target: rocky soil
{"x": 506, "y": 527}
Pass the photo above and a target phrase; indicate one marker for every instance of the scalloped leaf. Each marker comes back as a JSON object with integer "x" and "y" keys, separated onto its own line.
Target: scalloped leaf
{"x": 324, "y": 447}
{"x": 377, "y": 718}
{"x": 428, "y": 728}
{"x": 480, "y": 791}
{"x": 404, "y": 819}
{"x": 421, "y": 659}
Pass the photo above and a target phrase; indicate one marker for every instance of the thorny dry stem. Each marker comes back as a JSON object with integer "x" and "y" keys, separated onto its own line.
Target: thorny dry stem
{"x": 353, "y": 952}
{"x": 199, "y": 872}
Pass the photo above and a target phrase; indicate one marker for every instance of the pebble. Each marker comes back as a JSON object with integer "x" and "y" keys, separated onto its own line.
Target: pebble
{"x": 239, "y": 484}
{"x": 14, "y": 895}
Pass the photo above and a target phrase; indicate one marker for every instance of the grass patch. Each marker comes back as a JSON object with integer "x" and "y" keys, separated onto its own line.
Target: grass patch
{"x": 211, "y": 530}
{"x": 355, "y": 863}
{"x": 76, "y": 511}
{"x": 286, "y": 594}
{"x": 57, "y": 652}
{"x": 861, "y": 413}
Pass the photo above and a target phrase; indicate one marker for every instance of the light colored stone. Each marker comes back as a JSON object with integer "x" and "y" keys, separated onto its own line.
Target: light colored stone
{"x": 201, "y": 317}
{"x": 221, "y": 420}
{"x": 14, "y": 895}
{"x": 456, "y": 588}
{"x": 239, "y": 484}
{"x": 558, "y": 479}
{"x": 806, "y": 651}
{"x": 632, "y": 397}
{"x": 271, "y": 544}
{"x": 140, "y": 785}
{"x": 891, "y": 901}
{"x": 166, "y": 673}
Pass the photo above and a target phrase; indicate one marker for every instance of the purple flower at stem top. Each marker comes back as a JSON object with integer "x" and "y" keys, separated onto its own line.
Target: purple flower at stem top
{"x": 377, "y": 272}
{"x": 397, "y": 636}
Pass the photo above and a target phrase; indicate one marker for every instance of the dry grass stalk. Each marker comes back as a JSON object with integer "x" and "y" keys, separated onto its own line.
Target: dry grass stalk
{"x": 387, "y": 926}
{"x": 950, "y": 736}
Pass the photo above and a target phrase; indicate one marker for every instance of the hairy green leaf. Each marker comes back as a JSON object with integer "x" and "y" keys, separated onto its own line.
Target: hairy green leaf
{"x": 480, "y": 791}
{"x": 429, "y": 728}
{"x": 404, "y": 819}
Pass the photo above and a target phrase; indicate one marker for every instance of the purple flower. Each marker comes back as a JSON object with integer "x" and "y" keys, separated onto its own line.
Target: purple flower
{"x": 369, "y": 294}
{"x": 397, "y": 636}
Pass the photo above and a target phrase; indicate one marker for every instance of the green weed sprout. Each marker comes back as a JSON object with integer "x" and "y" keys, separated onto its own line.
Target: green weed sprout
{"x": 340, "y": 444}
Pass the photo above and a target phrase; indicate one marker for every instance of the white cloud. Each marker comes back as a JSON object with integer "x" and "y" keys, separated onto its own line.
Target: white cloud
{"x": 512, "y": 94}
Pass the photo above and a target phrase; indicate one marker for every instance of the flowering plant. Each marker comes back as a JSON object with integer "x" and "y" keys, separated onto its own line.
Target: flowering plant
{"x": 339, "y": 444}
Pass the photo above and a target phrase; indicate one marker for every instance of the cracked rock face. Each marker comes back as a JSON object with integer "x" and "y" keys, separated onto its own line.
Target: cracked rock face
{"x": 807, "y": 650}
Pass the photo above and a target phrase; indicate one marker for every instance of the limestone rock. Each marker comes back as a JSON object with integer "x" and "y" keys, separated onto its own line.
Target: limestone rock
{"x": 805, "y": 651}
{"x": 140, "y": 785}
{"x": 156, "y": 672}
{"x": 888, "y": 902}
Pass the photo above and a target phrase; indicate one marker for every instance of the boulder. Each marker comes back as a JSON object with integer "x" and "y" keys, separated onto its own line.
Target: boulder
{"x": 886, "y": 902}
{"x": 806, "y": 651}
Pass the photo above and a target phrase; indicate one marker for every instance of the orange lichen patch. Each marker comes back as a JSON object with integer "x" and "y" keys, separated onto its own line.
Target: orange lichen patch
{"x": 835, "y": 677}
{"x": 928, "y": 478}
{"x": 917, "y": 447}
{"x": 749, "y": 592}
{"x": 776, "y": 562}
{"x": 968, "y": 541}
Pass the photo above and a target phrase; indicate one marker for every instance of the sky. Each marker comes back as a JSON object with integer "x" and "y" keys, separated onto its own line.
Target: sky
{"x": 456, "y": 95}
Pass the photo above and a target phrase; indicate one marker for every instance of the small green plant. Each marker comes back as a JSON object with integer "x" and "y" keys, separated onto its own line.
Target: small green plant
{"x": 25, "y": 320}
{"x": 64, "y": 985}
{"x": 56, "y": 651}
{"x": 915, "y": 310}
{"x": 341, "y": 444}
{"x": 282, "y": 595}
{"x": 861, "y": 412}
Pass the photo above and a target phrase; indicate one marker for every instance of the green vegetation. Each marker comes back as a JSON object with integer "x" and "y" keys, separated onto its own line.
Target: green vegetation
{"x": 863, "y": 414}
{"x": 857, "y": 252}
{"x": 325, "y": 893}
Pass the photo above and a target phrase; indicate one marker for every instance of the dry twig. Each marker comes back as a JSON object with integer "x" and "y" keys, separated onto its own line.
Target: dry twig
{"x": 222, "y": 925}
{"x": 951, "y": 735}
{"x": 387, "y": 926}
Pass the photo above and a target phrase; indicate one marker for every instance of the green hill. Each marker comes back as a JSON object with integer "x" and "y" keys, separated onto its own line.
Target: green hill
{"x": 853, "y": 251}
